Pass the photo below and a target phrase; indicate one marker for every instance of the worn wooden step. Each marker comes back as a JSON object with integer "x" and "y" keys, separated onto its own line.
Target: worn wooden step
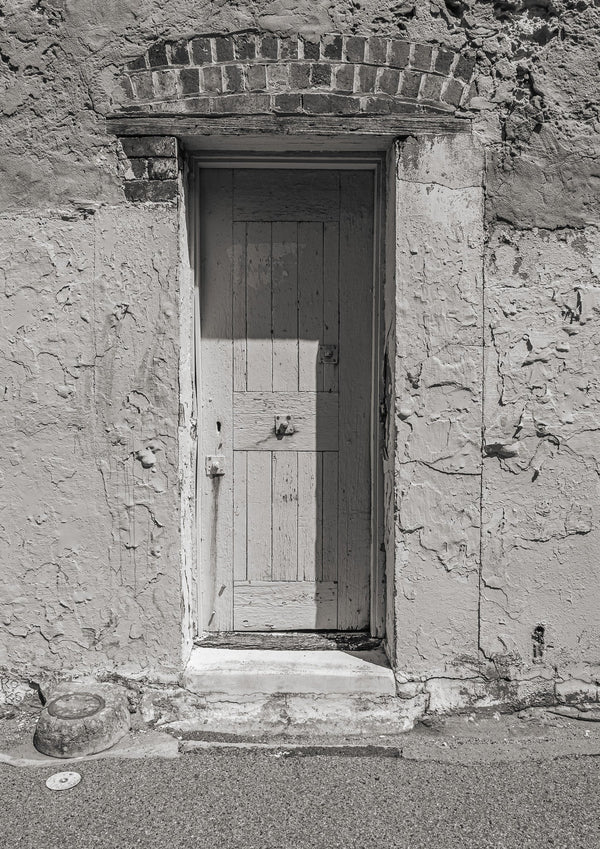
{"x": 291, "y": 640}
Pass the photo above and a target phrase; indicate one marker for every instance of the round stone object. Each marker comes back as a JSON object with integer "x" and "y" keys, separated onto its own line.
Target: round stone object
{"x": 81, "y": 719}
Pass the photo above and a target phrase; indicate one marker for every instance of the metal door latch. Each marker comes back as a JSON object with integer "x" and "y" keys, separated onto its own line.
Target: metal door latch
{"x": 284, "y": 426}
{"x": 215, "y": 465}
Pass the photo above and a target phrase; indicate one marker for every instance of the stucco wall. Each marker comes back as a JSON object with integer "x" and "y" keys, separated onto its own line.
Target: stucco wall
{"x": 90, "y": 345}
{"x": 89, "y": 519}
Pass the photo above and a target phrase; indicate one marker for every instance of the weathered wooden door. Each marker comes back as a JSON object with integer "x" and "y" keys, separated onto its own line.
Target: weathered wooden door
{"x": 286, "y": 292}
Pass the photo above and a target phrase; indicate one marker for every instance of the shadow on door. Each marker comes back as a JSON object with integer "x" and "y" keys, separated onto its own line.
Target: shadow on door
{"x": 286, "y": 277}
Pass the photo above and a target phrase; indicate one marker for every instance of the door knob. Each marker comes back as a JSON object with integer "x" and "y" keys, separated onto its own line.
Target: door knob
{"x": 284, "y": 426}
{"x": 214, "y": 465}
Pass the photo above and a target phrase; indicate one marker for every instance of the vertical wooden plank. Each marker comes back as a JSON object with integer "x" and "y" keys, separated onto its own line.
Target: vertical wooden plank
{"x": 259, "y": 346}
{"x": 216, "y": 414}
{"x": 258, "y": 502}
{"x": 310, "y": 305}
{"x": 239, "y": 306}
{"x": 330, "y": 516}
{"x": 354, "y": 374}
{"x": 285, "y": 516}
{"x": 240, "y": 542}
{"x": 310, "y": 531}
{"x": 331, "y": 299}
{"x": 285, "y": 306}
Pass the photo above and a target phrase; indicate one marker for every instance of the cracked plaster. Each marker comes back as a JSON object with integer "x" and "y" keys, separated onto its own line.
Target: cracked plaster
{"x": 88, "y": 525}
{"x": 89, "y": 511}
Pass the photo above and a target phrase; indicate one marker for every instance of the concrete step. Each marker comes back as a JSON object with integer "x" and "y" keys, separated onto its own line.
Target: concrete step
{"x": 268, "y": 717}
{"x": 245, "y": 672}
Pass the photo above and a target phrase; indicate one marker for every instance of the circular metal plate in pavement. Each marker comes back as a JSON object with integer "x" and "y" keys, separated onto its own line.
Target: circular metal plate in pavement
{"x": 63, "y": 780}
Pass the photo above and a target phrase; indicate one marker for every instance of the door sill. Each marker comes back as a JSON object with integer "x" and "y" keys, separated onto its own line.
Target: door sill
{"x": 291, "y": 640}
{"x": 247, "y": 673}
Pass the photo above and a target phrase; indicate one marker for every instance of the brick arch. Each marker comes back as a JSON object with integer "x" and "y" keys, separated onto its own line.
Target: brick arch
{"x": 258, "y": 73}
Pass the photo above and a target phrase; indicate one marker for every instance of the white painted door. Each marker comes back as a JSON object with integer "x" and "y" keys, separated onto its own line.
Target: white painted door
{"x": 286, "y": 259}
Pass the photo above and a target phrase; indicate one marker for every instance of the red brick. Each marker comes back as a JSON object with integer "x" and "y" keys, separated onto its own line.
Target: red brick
{"x": 444, "y": 60}
{"x": 127, "y": 88}
{"x": 464, "y": 67}
{"x": 311, "y": 50}
{"x": 388, "y": 80}
{"x": 399, "y": 53}
{"x": 316, "y": 103}
{"x": 320, "y": 103}
{"x": 157, "y": 56}
{"x": 233, "y": 77}
{"x": 201, "y": 51}
{"x": 268, "y": 47}
{"x": 139, "y": 64}
{"x": 139, "y": 168}
{"x": 196, "y": 105}
{"x": 286, "y": 103}
{"x": 223, "y": 48}
{"x": 136, "y": 146}
{"x": 410, "y": 84}
{"x": 377, "y": 53}
{"x": 344, "y": 78}
{"x": 355, "y": 48}
{"x": 366, "y": 78}
{"x": 278, "y": 76}
{"x": 212, "y": 79}
{"x": 246, "y": 46}
{"x": 180, "y": 53}
{"x": 190, "y": 80}
{"x": 453, "y": 92}
{"x": 422, "y": 57}
{"x": 165, "y": 84}
{"x": 431, "y": 88}
{"x": 241, "y": 104}
{"x": 257, "y": 77}
{"x": 151, "y": 190}
{"x": 299, "y": 75}
{"x": 288, "y": 48}
{"x": 331, "y": 47}
{"x": 345, "y": 104}
{"x": 144, "y": 90}
{"x": 376, "y": 104}
{"x": 162, "y": 169}
{"x": 320, "y": 75}
{"x": 403, "y": 107}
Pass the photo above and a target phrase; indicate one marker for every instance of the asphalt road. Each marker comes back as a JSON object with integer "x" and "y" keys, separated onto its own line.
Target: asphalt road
{"x": 258, "y": 801}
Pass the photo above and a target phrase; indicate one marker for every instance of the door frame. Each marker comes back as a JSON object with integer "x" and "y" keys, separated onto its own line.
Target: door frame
{"x": 373, "y": 161}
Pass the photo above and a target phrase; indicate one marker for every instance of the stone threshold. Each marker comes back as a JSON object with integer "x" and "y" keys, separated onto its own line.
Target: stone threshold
{"x": 270, "y": 693}
{"x": 241, "y": 672}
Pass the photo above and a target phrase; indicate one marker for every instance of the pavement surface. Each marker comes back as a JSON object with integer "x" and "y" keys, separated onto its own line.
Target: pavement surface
{"x": 507, "y": 782}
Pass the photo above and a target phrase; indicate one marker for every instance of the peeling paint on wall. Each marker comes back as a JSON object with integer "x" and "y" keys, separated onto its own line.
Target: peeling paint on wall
{"x": 541, "y": 542}
{"x": 90, "y": 459}
{"x": 495, "y": 517}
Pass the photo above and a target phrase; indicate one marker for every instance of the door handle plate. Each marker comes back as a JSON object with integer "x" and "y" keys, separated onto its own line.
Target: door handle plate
{"x": 284, "y": 426}
{"x": 214, "y": 465}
